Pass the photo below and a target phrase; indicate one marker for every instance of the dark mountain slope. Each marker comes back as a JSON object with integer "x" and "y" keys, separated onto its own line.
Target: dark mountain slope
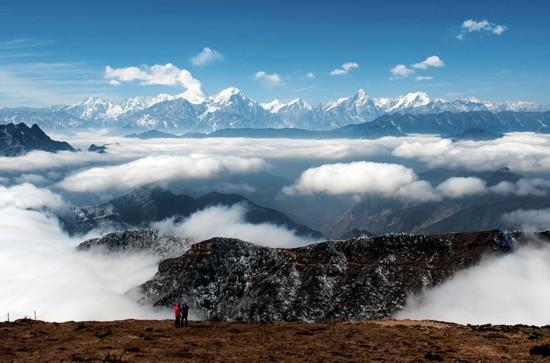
{"x": 19, "y": 139}
{"x": 364, "y": 278}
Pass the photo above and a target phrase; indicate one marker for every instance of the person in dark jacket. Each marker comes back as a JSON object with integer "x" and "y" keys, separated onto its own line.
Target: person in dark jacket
{"x": 184, "y": 314}
{"x": 177, "y": 313}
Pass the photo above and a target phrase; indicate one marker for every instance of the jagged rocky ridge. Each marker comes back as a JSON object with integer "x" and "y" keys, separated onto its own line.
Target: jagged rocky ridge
{"x": 19, "y": 139}
{"x": 363, "y": 278}
{"x": 146, "y": 205}
{"x": 231, "y": 108}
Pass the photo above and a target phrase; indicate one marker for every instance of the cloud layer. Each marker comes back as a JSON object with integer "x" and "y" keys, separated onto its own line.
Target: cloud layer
{"x": 397, "y": 181}
{"x": 41, "y": 271}
{"x": 529, "y": 219}
{"x": 158, "y": 169}
{"x": 27, "y": 196}
{"x": 506, "y": 290}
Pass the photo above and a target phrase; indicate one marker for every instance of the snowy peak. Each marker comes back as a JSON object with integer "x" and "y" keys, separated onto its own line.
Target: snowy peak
{"x": 273, "y": 106}
{"x": 413, "y": 100}
{"x": 277, "y": 106}
{"x": 227, "y": 95}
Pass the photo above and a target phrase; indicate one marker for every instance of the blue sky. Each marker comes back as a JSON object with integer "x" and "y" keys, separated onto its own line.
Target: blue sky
{"x": 57, "y": 51}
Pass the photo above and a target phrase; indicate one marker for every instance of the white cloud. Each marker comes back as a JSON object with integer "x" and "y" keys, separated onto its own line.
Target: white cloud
{"x": 529, "y": 219}
{"x": 158, "y": 169}
{"x": 114, "y": 82}
{"x": 344, "y": 69}
{"x": 46, "y": 84}
{"x": 484, "y": 26}
{"x": 310, "y": 75}
{"x": 511, "y": 289}
{"x": 522, "y": 152}
{"x": 523, "y": 186}
{"x": 41, "y": 271}
{"x": 158, "y": 74}
{"x": 432, "y": 61}
{"x": 401, "y": 71}
{"x": 458, "y": 187}
{"x": 238, "y": 188}
{"x": 400, "y": 182}
{"x": 230, "y": 222}
{"x": 27, "y": 196}
{"x": 269, "y": 79}
{"x": 362, "y": 177}
{"x": 424, "y": 78}
{"x": 43, "y": 160}
{"x": 23, "y": 43}
{"x": 35, "y": 179}
{"x": 206, "y": 56}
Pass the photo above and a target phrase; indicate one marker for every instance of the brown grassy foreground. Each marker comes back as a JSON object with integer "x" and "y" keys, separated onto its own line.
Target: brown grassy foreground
{"x": 159, "y": 341}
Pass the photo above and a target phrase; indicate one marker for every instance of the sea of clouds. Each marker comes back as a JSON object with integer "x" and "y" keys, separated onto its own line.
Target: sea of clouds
{"x": 41, "y": 271}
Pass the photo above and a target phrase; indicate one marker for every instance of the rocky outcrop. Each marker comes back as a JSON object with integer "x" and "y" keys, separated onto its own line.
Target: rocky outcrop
{"x": 19, "y": 139}
{"x": 363, "y": 278}
{"x": 136, "y": 241}
{"x": 100, "y": 149}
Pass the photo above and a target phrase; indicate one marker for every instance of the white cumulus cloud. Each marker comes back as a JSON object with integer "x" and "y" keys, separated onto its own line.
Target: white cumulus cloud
{"x": 230, "y": 222}
{"x": 206, "y": 56}
{"x": 269, "y": 79}
{"x": 344, "y": 69}
{"x": 159, "y": 74}
{"x": 458, "y": 187}
{"x": 432, "y": 61}
{"x": 483, "y": 26}
{"x": 363, "y": 177}
{"x": 401, "y": 71}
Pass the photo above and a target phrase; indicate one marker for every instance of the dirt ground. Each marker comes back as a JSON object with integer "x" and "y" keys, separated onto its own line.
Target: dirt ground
{"x": 375, "y": 341}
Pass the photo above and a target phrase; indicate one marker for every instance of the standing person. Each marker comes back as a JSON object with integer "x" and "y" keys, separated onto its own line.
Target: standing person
{"x": 177, "y": 313}
{"x": 185, "y": 313}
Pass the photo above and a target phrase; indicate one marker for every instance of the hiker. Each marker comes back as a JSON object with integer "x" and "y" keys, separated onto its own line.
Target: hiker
{"x": 177, "y": 313}
{"x": 184, "y": 314}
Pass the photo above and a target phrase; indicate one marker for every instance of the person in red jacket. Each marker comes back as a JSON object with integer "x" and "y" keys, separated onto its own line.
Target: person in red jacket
{"x": 177, "y": 313}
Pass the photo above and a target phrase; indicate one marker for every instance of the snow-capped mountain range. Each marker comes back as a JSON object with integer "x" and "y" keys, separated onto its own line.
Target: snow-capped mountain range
{"x": 231, "y": 108}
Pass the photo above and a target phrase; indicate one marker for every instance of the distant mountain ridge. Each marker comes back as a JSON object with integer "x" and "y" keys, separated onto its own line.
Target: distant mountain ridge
{"x": 475, "y": 125}
{"x": 231, "y": 108}
{"x": 146, "y": 205}
{"x": 19, "y": 139}
{"x": 380, "y": 215}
